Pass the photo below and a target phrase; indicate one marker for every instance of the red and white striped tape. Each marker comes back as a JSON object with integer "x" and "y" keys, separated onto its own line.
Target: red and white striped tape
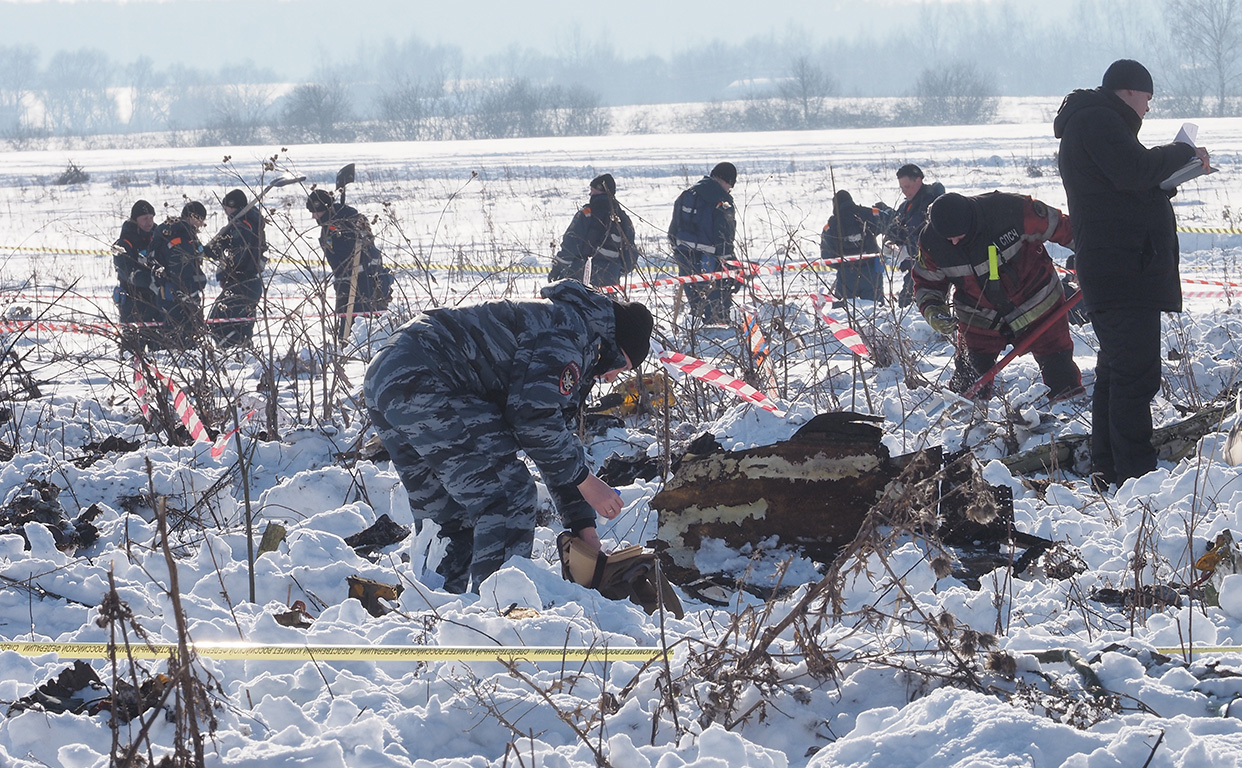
{"x": 217, "y": 450}
{"x": 180, "y": 402}
{"x": 844, "y": 334}
{"x": 678, "y": 363}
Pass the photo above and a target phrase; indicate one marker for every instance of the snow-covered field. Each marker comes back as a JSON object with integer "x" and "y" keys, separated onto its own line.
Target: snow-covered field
{"x": 910, "y": 669}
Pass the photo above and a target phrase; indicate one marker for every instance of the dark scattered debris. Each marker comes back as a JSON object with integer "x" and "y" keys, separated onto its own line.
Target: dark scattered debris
{"x": 382, "y": 534}
{"x": 296, "y": 616}
{"x": 1157, "y": 596}
{"x": 369, "y": 592}
{"x": 813, "y": 491}
{"x": 73, "y": 174}
{"x": 93, "y": 452}
{"x": 38, "y": 502}
{"x": 78, "y": 690}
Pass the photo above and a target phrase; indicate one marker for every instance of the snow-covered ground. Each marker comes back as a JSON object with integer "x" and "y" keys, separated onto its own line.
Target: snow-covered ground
{"x": 910, "y": 668}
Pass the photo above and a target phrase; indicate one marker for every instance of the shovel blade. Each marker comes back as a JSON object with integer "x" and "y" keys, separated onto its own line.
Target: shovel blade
{"x": 345, "y": 176}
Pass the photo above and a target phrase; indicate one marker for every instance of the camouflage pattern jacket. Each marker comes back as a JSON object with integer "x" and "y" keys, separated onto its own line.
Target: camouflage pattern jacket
{"x": 532, "y": 358}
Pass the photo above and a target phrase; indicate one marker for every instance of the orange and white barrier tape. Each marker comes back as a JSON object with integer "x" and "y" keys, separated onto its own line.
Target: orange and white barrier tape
{"x": 844, "y": 334}
{"x": 679, "y": 363}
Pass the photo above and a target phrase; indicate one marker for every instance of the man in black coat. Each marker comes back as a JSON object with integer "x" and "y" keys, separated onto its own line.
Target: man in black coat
{"x": 851, "y": 231}
{"x": 135, "y": 293}
{"x": 361, "y": 281}
{"x": 238, "y": 252}
{"x": 701, "y": 233}
{"x": 904, "y": 223}
{"x": 601, "y": 235}
{"x": 1126, "y": 256}
{"x": 178, "y": 256}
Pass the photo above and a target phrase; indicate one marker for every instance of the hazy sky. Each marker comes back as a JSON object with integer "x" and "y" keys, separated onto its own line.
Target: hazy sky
{"x": 292, "y": 36}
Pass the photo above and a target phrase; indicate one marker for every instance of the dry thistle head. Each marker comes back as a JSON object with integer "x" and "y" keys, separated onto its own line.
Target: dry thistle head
{"x": 1002, "y": 664}
{"x": 942, "y": 566}
{"x": 946, "y": 621}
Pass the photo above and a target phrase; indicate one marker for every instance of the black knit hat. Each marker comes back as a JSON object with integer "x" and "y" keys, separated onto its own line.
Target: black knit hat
{"x": 141, "y": 208}
{"x": 319, "y": 201}
{"x": 952, "y": 215}
{"x": 606, "y": 182}
{"x": 235, "y": 200}
{"x": 194, "y": 208}
{"x": 1127, "y": 75}
{"x": 726, "y": 172}
{"x": 634, "y": 324}
{"x": 909, "y": 171}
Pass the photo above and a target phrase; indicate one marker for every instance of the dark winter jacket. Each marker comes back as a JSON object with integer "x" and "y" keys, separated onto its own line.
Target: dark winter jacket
{"x": 133, "y": 270}
{"x": 602, "y": 230}
{"x": 531, "y": 358}
{"x": 343, "y": 229}
{"x": 704, "y": 220}
{"x": 1127, "y": 253}
{"x": 175, "y": 247}
{"x": 1028, "y": 286}
{"x": 851, "y": 230}
{"x": 238, "y": 249}
{"x": 908, "y": 218}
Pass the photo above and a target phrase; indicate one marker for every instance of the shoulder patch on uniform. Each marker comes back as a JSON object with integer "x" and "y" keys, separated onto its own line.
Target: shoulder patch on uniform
{"x": 1040, "y": 209}
{"x": 586, "y": 210}
{"x": 569, "y": 378}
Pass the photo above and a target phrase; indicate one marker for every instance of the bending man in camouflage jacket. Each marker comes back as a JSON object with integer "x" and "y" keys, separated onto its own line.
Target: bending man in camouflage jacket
{"x": 456, "y": 393}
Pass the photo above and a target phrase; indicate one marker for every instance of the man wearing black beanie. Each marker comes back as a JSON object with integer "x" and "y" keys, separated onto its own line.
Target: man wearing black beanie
{"x": 1126, "y": 256}
{"x": 701, "y": 233}
{"x": 988, "y": 251}
{"x": 456, "y": 393}
{"x": 135, "y": 295}
{"x": 598, "y": 248}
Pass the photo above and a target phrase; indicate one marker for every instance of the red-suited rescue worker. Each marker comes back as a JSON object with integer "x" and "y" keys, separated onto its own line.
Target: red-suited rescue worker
{"x": 989, "y": 249}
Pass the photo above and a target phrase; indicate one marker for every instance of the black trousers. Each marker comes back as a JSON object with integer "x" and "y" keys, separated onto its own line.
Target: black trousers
{"x": 1127, "y": 377}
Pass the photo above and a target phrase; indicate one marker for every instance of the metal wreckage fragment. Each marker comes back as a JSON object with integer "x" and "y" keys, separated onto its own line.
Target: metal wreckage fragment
{"x": 812, "y": 492}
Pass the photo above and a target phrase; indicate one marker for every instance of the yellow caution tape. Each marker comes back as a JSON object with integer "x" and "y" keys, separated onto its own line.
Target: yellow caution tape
{"x": 74, "y": 251}
{"x": 338, "y": 652}
{"x": 1211, "y": 230}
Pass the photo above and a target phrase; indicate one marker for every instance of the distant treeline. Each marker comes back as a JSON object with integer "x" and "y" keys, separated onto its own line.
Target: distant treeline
{"x": 947, "y": 65}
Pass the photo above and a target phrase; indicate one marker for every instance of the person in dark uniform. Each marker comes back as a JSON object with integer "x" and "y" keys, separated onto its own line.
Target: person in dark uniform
{"x": 135, "y": 295}
{"x": 851, "y": 231}
{"x": 359, "y": 278}
{"x": 989, "y": 249}
{"x": 701, "y": 233}
{"x": 903, "y": 224}
{"x": 600, "y": 235}
{"x": 1126, "y": 256}
{"x": 238, "y": 251}
{"x": 456, "y": 393}
{"x": 178, "y": 258}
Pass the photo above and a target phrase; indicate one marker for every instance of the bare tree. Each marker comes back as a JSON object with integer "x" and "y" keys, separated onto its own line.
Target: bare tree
{"x": 805, "y": 93}
{"x": 954, "y": 94}
{"x": 75, "y": 92}
{"x": 318, "y": 110}
{"x": 147, "y": 109}
{"x": 1208, "y": 34}
{"x": 19, "y": 67}
{"x": 240, "y": 112}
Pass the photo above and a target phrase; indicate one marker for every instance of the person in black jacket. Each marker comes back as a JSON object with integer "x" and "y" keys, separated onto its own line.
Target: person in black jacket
{"x": 1126, "y": 255}
{"x": 178, "y": 257}
{"x": 701, "y": 233}
{"x": 135, "y": 295}
{"x": 238, "y": 252}
{"x": 851, "y": 231}
{"x": 903, "y": 224}
{"x": 361, "y": 281}
{"x": 601, "y": 236}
